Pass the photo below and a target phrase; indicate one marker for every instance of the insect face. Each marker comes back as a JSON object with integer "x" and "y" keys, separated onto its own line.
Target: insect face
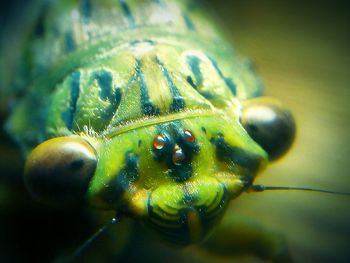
{"x": 177, "y": 176}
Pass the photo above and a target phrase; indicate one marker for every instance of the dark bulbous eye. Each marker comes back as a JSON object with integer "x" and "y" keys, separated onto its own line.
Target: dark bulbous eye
{"x": 269, "y": 124}
{"x": 59, "y": 170}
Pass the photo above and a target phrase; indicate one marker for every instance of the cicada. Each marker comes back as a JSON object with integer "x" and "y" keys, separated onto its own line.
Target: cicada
{"x": 141, "y": 108}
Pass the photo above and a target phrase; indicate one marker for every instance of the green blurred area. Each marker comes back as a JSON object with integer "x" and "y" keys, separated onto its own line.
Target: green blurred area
{"x": 302, "y": 52}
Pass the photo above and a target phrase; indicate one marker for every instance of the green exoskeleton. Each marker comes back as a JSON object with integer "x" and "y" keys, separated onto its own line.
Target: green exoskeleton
{"x": 140, "y": 107}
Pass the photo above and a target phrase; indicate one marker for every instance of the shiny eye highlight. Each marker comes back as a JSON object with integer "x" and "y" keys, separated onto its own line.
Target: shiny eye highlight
{"x": 178, "y": 155}
{"x": 189, "y": 137}
{"x": 159, "y": 142}
{"x": 269, "y": 124}
{"x": 58, "y": 171}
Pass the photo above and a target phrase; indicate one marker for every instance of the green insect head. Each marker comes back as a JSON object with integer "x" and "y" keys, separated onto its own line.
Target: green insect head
{"x": 177, "y": 176}
{"x": 177, "y": 173}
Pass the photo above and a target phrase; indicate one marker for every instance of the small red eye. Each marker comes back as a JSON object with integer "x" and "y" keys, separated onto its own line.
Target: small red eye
{"x": 189, "y": 137}
{"x": 159, "y": 142}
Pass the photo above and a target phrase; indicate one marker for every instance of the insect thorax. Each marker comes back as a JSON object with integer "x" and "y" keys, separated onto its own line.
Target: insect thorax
{"x": 120, "y": 60}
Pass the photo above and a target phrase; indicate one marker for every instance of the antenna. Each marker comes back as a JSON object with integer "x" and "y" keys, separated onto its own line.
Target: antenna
{"x": 88, "y": 242}
{"x": 261, "y": 188}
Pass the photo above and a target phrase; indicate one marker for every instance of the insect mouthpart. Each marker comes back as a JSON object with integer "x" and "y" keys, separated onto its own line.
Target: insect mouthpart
{"x": 187, "y": 213}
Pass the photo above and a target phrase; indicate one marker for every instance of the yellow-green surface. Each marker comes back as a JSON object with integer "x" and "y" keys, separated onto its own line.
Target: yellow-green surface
{"x": 302, "y": 52}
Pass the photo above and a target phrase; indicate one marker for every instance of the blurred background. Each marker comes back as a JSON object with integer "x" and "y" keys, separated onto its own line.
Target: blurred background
{"x": 302, "y": 52}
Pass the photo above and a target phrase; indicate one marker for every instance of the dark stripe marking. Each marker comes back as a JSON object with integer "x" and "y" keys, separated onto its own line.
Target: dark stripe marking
{"x": 68, "y": 116}
{"x": 85, "y": 9}
{"x": 191, "y": 236}
{"x": 105, "y": 82}
{"x": 188, "y": 22}
{"x": 127, "y": 12}
{"x": 191, "y": 82}
{"x": 69, "y": 42}
{"x": 178, "y": 101}
{"x": 235, "y": 155}
{"x": 150, "y": 41}
{"x": 181, "y": 173}
{"x": 39, "y": 28}
{"x": 146, "y": 106}
{"x": 228, "y": 81}
{"x": 117, "y": 99}
{"x": 194, "y": 63}
{"x": 126, "y": 176}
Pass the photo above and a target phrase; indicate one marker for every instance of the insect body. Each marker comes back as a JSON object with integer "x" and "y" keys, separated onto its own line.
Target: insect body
{"x": 140, "y": 107}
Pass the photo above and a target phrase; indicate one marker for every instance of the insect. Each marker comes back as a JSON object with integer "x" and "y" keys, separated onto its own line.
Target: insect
{"x": 148, "y": 117}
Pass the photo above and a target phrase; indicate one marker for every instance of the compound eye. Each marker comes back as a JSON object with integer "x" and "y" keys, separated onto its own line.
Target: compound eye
{"x": 269, "y": 124}
{"x": 58, "y": 171}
